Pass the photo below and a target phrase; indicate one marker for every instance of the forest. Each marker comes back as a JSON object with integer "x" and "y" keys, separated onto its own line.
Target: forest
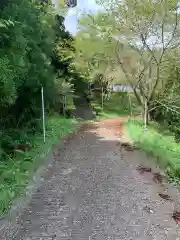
{"x": 36, "y": 52}
{"x": 130, "y": 43}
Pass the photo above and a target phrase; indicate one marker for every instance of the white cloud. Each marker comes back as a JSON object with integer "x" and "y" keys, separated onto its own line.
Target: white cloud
{"x": 83, "y": 6}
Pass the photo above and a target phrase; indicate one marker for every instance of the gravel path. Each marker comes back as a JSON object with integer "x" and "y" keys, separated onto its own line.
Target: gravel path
{"x": 92, "y": 193}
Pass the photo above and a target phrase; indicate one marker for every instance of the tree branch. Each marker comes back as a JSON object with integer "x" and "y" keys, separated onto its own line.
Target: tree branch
{"x": 174, "y": 30}
{"x": 143, "y": 39}
{"x": 128, "y": 78}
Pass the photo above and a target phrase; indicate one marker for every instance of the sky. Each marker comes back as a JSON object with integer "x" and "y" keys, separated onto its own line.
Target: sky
{"x": 71, "y": 20}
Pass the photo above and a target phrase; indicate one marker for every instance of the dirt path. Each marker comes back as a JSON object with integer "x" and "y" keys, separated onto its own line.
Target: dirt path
{"x": 92, "y": 192}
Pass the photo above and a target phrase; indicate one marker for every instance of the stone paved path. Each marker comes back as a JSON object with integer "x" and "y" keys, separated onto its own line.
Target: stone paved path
{"x": 92, "y": 193}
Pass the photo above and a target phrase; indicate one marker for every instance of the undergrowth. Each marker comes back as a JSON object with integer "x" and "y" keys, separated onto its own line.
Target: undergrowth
{"x": 160, "y": 144}
{"x": 18, "y": 168}
{"x": 116, "y": 106}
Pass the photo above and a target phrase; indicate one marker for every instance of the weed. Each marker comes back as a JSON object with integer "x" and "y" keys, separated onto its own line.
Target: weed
{"x": 113, "y": 107}
{"x": 159, "y": 144}
{"x": 17, "y": 170}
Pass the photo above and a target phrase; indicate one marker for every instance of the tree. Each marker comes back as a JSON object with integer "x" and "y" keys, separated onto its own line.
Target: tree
{"x": 63, "y": 60}
{"x": 64, "y": 89}
{"x": 140, "y": 36}
{"x": 92, "y": 58}
{"x": 27, "y": 46}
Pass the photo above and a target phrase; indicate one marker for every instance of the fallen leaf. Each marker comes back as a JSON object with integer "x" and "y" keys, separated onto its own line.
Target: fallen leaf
{"x": 176, "y": 216}
{"x": 158, "y": 178}
{"x": 142, "y": 169}
{"x": 127, "y": 146}
{"x": 165, "y": 196}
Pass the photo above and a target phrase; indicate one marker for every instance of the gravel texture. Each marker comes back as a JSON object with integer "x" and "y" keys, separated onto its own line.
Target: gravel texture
{"x": 91, "y": 192}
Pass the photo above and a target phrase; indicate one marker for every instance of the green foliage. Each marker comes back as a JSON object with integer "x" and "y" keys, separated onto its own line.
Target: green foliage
{"x": 117, "y": 105}
{"x": 160, "y": 143}
{"x": 137, "y": 37}
{"x": 167, "y": 108}
{"x": 63, "y": 60}
{"x": 26, "y": 49}
{"x": 15, "y": 172}
{"x": 35, "y": 51}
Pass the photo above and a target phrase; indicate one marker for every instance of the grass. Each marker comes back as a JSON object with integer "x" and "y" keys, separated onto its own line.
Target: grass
{"x": 16, "y": 172}
{"x": 70, "y": 103}
{"x": 160, "y": 144}
{"x": 115, "y": 107}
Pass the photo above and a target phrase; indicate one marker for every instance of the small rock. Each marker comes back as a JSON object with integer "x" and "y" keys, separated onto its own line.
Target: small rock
{"x": 148, "y": 209}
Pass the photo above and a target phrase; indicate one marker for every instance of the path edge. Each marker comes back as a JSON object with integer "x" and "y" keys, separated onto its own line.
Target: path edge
{"x": 9, "y": 220}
